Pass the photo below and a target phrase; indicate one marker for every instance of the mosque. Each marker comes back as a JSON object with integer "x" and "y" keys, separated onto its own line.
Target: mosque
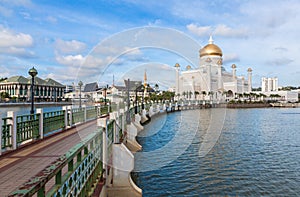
{"x": 210, "y": 81}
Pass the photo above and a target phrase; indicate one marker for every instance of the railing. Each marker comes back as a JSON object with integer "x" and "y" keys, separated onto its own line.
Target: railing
{"x": 6, "y": 140}
{"x": 77, "y": 115}
{"x": 27, "y": 127}
{"x": 53, "y": 121}
{"x": 84, "y": 167}
{"x": 91, "y": 113}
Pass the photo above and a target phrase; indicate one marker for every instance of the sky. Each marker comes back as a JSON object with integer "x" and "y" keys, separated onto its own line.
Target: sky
{"x": 95, "y": 40}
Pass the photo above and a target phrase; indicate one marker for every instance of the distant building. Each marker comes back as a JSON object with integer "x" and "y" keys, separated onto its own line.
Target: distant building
{"x": 269, "y": 84}
{"x": 211, "y": 77}
{"x": 19, "y": 87}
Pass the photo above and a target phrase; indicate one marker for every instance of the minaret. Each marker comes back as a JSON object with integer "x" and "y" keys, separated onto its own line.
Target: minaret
{"x": 177, "y": 67}
{"x": 233, "y": 72}
{"x": 249, "y": 79}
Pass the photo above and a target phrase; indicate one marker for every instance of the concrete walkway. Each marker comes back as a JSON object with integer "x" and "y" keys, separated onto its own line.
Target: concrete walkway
{"x": 19, "y": 166}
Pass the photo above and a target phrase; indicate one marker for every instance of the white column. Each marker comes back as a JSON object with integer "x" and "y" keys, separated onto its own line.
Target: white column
{"x": 70, "y": 116}
{"x": 41, "y": 122}
{"x": 209, "y": 78}
{"x": 65, "y": 108}
{"x": 220, "y": 86}
{"x": 13, "y": 131}
{"x": 1, "y": 136}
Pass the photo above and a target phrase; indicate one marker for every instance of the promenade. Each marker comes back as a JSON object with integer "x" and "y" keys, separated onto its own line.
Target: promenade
{"x": 19, "y": 166}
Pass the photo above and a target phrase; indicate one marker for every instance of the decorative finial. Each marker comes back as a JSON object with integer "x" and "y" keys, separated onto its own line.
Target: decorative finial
{"x": 210, "y": 41}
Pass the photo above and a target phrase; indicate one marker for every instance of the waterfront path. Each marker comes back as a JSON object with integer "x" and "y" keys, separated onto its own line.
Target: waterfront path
{"x": 19, "y": 166}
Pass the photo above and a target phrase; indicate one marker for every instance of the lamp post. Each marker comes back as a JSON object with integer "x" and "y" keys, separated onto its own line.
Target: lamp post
{"x": 105, "y": 89}
{"x": 80, "y": 85}
{"x": 135, "y": 107}
{"x": 32, "y": 72}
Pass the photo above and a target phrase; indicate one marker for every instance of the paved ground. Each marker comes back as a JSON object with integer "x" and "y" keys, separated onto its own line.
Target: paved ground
{"x": 17, "y": 167}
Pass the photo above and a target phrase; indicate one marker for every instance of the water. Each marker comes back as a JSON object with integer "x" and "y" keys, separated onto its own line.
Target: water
{"x": 257, "y": 154}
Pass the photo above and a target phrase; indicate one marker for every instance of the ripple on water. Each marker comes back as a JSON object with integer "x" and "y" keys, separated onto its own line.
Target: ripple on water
{"x": 258, "y": 154}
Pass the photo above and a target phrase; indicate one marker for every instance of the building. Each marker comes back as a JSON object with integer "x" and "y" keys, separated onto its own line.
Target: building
{"x": 19, "y": 87}
{"x": 269, "y": 84}
{"x": 210, "y": 80}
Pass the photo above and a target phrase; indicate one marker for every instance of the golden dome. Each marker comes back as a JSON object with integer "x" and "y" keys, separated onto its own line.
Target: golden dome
{"x": 188, "y": 67}
{"x": 249, "y": 70}
{"x": 177, "y": 65}
{"x": 210, "y": 49}
{"x": 233, "y": 66}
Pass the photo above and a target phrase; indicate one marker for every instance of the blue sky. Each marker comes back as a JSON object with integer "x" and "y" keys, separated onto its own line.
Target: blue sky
{"x": 57, "y": 37}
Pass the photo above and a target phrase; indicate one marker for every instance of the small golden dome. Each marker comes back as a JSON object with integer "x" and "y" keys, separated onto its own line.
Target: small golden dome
{"x": 249, "y": 70}
{"x": 233, "y": 66}
{"x": 177, "y": 65}
{"x": 211, "y": 49}
{"x": 188, "y": 67}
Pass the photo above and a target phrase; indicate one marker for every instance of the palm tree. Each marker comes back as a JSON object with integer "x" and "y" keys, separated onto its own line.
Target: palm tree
{"x": 190, "y": 94}
{"x": 183, "y": 94}
{"x": 204, "y": 94}
{"x": 196, "y": 93}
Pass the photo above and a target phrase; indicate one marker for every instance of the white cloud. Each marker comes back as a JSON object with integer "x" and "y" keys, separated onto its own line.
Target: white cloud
{"x": 11, "y": 39}
{"x": 72, "y": 46}
{"x": 70, "y": 60}
{"x": 15, "y": 44}
{"x": 198, "y": 30}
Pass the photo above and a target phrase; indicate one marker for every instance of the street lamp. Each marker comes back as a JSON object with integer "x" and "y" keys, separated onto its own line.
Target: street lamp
{"x": 32, "y": 72}
{"x": 135, "y": 107}
{"x": 105, "y": 89}
{"x": 80, "y": 85}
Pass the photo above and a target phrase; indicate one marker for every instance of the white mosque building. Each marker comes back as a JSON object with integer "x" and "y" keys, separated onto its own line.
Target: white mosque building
{"x": 210, "y": 80}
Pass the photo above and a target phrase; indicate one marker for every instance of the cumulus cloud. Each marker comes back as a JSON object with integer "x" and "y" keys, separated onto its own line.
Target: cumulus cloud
{"x": 68, "y": 47}
{"x": 11, "y": 39}
{"x": 71, "y": 60}
{"x": 15, "y": 44}
{"x": 199, "y": 30}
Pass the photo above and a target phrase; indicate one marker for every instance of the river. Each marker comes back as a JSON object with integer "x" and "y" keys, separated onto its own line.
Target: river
{"x": 256, "y": 152}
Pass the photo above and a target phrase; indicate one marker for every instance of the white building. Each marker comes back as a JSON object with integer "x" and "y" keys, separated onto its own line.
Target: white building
{"x": 211, "y": 79}
{"x": 269, "y": 84}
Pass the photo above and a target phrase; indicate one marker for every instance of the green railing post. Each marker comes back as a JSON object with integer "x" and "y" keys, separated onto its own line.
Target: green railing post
{"x": 41, "y": 192}
{"x": 58, "y": 178}
{"x": 71, "y": 165}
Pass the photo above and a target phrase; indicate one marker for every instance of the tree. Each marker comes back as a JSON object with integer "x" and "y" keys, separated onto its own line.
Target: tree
{"x": 196, "y": 93}
{"x": 204, "y": 94}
